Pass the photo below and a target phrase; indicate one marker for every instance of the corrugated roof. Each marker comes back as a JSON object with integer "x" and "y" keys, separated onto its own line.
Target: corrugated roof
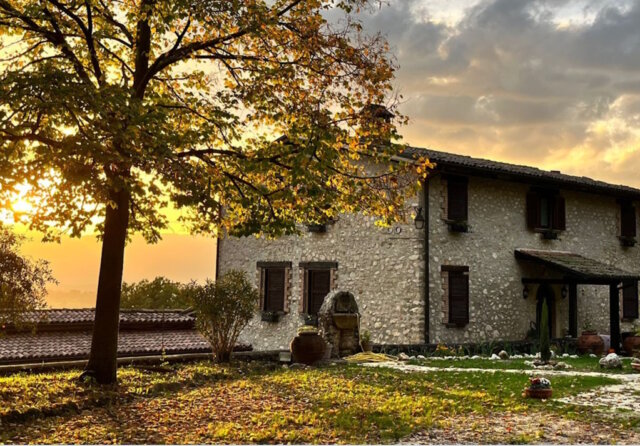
{"x": 522, "y": 173}
{"x": 577, "y": 265}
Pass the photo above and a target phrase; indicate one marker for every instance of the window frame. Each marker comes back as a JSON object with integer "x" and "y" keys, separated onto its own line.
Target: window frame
{"x": 307, "y": 268}
{"x": 456, "y": 272}
{"x": 555, "y": 209}
{"x": 457, "y": 193}
{"x": 265, "y": 269}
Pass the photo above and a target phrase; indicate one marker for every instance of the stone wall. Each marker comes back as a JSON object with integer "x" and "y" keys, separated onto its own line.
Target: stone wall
{"x": 383, "y": 267}
{"x": 497, "y": 220}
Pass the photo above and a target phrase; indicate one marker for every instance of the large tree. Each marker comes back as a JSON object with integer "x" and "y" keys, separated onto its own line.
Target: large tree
{"x": 247, "y": 113}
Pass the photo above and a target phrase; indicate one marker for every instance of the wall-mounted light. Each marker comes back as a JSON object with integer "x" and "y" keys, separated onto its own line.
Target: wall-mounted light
{"x": 419, "y": 218}
{"x": 564, "y": 292}
{"x": 525, "y": 292}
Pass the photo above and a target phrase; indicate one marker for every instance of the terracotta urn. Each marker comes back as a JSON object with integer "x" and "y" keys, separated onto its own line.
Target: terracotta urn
{"x": 367, "y": 346}
{"x": 307, "y": 348}
{"x": 630, "y": 344}
{"x": 590, "y": 342}
{"x": 542, "y": 394}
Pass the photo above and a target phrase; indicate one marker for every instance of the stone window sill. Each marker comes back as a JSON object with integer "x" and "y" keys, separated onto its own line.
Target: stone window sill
{"x": 627, "y": 242}
{"x": 457, "y": 225}
{"x": 452, "y": 325}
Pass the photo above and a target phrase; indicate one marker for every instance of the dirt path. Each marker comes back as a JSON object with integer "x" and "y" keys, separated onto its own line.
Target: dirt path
{"x": 517, "y": 428}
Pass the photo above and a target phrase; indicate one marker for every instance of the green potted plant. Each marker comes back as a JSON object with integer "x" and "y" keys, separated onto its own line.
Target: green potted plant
{"x": 632, "y": 342}
{"x": 365, "y": 341}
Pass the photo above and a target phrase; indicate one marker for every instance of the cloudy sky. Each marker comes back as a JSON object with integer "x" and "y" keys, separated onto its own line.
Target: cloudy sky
{"x": 554, "y": 84}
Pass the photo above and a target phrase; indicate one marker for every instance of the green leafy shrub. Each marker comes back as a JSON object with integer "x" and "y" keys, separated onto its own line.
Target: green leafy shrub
{"x": 23, "y": 281}
{"x": 545, "y": 345}
{"x": 223, "y": 309}
{"x": 159, "y": 293}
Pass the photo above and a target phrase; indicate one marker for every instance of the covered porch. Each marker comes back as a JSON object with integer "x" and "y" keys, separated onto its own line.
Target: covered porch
{"x": 573, "y": 270}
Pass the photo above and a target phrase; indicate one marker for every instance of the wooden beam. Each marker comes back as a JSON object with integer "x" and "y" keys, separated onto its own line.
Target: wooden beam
{"x": 614, "y": 316}
{"x": 527, "y": 281}
{"x": 578, "y": 280}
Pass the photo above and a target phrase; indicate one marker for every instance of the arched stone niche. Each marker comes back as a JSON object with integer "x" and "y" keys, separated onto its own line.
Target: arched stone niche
{"x": 339, "y": 322}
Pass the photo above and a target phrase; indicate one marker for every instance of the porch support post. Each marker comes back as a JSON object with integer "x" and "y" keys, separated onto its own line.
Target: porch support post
{"x": 614, "y": 316}
{"x": 573, "y": 309}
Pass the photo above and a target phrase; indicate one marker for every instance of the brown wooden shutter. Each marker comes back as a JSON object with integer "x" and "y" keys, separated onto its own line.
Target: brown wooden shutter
{"x": 304, "y": 301}
{"x": 274, "y": 289}
{"x": 628, "y": 220}
{"x": 319, "y": 287}
{"x": 263, "y": 279}
{"x": 533, "y": 210}
{"x": 457, "y": 198}
{"x": 630, "y": 300}
{"x": 559, "y": 213}
{"x": 458, "y": 298}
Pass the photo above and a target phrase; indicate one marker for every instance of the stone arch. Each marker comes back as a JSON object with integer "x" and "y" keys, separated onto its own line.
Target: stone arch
{"x": 339, "y": 323}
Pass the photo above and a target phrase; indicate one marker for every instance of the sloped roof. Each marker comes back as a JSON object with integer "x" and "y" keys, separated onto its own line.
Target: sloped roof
{"x": 79, "y": 319}
{"x": 521, "y": 173}
{"x": 70, "y": 345}
{"x": 576, "y": 265}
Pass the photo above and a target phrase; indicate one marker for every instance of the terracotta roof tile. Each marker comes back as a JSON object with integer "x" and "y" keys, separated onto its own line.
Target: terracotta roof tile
{"x": 61, "y": 345}
{"x": 577, "y": 265}
{"x": 523, "y": 173}
{"x": 82, "y": 319}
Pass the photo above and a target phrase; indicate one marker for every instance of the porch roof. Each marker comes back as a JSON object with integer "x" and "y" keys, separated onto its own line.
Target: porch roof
{"x": 577, "y": 267}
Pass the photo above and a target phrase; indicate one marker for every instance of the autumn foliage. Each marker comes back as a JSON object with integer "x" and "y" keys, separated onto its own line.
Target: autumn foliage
{"x": 250, "y": 116}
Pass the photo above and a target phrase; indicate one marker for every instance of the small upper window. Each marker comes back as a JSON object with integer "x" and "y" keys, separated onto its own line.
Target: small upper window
{"x": 628, "y": 224}
{"x": 457, "y": 203}
{"x": 546, "y": 212}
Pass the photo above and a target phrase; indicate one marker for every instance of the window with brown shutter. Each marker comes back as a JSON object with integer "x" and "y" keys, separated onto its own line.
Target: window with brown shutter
{"x": 627, "y": 220}
{"x": 630, "y": 300}
{"x": 546, "y": 211}
{"x": 559, "y": 221}
{"x": 457, "y": 199}
{"x": 319, "y": 280}
{"x": 318, "y": 287}
{"x": 274, "y": 289}
{"x": 458, "y": 280}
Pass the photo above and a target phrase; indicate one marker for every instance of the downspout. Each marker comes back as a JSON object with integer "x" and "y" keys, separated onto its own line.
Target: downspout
{"x": 425, "y": 206}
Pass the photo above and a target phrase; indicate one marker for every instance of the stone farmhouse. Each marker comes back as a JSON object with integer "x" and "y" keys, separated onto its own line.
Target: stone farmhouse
{"x": 490, "y": 242}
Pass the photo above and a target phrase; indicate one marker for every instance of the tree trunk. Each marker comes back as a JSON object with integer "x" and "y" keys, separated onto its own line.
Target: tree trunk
{"x": 104, "y": 344}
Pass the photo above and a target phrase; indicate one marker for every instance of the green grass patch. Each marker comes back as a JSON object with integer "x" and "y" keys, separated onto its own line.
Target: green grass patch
{"x": 205, "y": 403}
{"x": 580, "y": 364}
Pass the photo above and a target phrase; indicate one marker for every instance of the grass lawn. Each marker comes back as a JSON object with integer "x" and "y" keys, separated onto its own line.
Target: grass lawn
{"x": 580, "y": 364}
{"x": 205, "y": 403}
